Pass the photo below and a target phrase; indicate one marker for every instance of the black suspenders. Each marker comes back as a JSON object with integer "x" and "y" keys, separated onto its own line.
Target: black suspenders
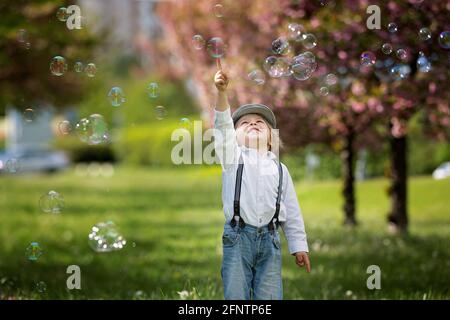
{"x": 237, "y": 196}
{"x": 274, "y": 222}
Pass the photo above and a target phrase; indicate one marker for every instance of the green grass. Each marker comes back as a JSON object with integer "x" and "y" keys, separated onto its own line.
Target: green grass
{"x": 172, "y": 221}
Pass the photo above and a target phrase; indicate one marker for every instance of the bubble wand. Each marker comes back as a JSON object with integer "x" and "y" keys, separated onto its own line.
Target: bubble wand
{"x": 219, "y": 65}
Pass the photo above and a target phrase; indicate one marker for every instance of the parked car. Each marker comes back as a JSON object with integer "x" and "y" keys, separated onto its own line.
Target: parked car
{"x": 33, "y": 161}
{"x": 442, "y": 172}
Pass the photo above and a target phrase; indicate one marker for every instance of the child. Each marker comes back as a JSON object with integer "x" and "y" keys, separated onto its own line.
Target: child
{"x": 256, "y": 200}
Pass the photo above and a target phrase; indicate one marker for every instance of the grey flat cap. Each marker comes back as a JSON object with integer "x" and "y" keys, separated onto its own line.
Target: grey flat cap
{"x": 257, "y": 108}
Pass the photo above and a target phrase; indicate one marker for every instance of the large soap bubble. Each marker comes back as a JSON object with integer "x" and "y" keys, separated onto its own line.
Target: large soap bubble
{"x": 277, "y": 67}
{"x": 303, "y": 66}
{"x": 92, "y": 130}
{"x": 216, "y": 47}
{"x": 52, "y": 202}
{"x": 58, "y": 66}
{"x": 105, "y": 237}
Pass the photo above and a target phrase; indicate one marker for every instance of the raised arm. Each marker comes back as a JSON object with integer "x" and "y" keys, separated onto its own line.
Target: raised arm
{"x": 224, "y": 135}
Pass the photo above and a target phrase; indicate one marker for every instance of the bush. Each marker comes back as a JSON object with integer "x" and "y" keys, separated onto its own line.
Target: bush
{"x": 82, "y": 152}
{"x": 146, "y": 144}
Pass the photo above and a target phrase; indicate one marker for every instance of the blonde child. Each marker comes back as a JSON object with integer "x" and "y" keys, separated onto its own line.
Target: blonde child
{"x": 258, "y": 196}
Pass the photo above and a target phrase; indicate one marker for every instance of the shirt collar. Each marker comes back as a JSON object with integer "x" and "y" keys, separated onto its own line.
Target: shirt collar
{"x": 252, "y": 151}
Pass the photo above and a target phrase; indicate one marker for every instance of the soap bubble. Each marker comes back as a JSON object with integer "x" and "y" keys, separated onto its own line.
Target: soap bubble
{"x": 324, "y": 91}
{"x": 392, "y": 27}
{"x": 400, "y": 71}
{"x": 51, "y": 202}
{"x": 198, "y": 42}
{"x": 83, "y": 129}
{"x": 64, "y": 127}
{"x": 424, "y": 34}
{"x": 153, "y": 90}
{"x": 281, "y": 46}
{"x": 218, "y": 10}
{"x": 92, "y": 130}
{"x": 296, "y": 32}
{"x": 58, "y": 66}
{"x": 216, "y": 47}
{"x": 105, "y": 237}
{"x": 331, "y": 79}
{"x": 423, "y": 64}
{"x": 308, "y": 56}
{"x": 61, "y": 14}
{"x": 386, "y": 48}
{"x": 402, "y": 54}
{"x": 257, "y": 76}
{"x": 309, "y": 41}
{"x": 276, "y": 67}
{"x": 185, "y": 123}
{"x": 78, "y": 66}
{"x": 33, "y": 251}
{"x": 41, "y": 287}
{"x": 368, "y": 58}
{"x": 90, "y": 70}
{"x": 303, "y": 66}
{"x": 22, "y": 36}
{"x": 29, "y": 115}
{"x": 444, "y": 39}
{"x": 116, "y": 96}
{"x": 12, "y": 165}
{"x": 160, "y": 112}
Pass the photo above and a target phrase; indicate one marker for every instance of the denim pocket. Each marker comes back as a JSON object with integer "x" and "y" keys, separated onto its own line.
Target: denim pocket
{"x": 229, "y": 238}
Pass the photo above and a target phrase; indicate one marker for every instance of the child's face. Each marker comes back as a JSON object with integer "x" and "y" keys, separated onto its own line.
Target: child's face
{"x": 253, "y": 132}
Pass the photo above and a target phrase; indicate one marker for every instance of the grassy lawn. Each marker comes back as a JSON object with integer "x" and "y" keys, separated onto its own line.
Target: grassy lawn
{"x": 172, "y": 221}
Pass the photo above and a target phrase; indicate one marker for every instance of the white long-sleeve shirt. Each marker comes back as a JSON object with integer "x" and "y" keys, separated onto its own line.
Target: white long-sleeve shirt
{"x": 259, "y": 188}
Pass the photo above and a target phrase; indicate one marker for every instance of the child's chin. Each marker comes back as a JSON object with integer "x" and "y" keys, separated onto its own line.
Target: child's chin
{"x": 254, "y": 135}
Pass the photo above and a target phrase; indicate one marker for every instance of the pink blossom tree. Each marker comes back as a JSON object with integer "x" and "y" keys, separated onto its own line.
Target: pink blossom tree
{"x": 360, "y": 106}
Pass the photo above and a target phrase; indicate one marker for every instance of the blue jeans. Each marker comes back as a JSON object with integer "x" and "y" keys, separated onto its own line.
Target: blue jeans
{"x": 251, "y": 265}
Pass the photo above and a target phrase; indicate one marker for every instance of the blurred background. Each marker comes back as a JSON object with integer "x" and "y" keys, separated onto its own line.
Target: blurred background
{"x": 91, "y": 92}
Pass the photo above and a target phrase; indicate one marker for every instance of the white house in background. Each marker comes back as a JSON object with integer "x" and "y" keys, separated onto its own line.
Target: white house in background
{"x": 29, "y": 144}
{"x": 22, "y": 135}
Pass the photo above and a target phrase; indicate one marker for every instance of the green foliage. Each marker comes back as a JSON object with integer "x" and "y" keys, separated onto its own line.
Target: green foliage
{"x": 423, "y": 157}
{"x": 79, "y": 151}
{"x": 328, "y": 168}
{"x": 172, "y": 221}
{"x": 25, "y": 79}
{"x": 139, "y": 138}
{"x": 147, "y": 144}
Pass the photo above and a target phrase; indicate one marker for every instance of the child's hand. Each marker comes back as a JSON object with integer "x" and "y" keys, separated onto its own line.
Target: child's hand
{"x": 302, "y": 259}
{"x": 221, "y": 80}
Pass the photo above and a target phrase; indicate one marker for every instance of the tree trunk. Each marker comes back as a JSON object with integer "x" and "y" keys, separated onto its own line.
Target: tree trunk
{"x": 398, "y": 217}
{"x": 349, "y": 179}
